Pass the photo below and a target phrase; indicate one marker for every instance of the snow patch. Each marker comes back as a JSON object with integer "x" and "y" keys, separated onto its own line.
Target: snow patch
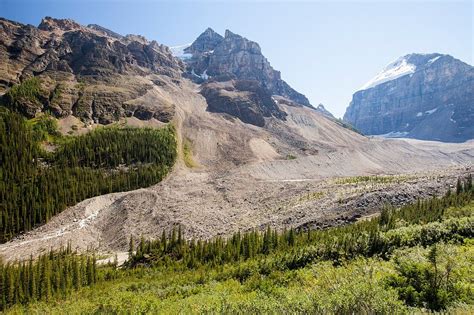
{"x": 392, "y": 71}
{"x": 178, "y": 51}
{"x": 433, "y": 59}
{"x": 394, "y": 134}
{"x": 203, "y": 75}
{"x": 431, "y": 111}
{"x": 451, "y": 118}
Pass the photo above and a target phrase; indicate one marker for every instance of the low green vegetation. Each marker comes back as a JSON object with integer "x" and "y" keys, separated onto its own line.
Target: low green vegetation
{"x": 44, "y": 128}
{"x": 56, "y": 94}
{"x": 29, "y": 91}
{"x": 434, "y": 277}
{"x": 188, "y": 154}
{"x": 375, "y": 179}
{"x": 414, "y": 259}
{"x": 311, "y": 196}
{"x": 35, "y": 185}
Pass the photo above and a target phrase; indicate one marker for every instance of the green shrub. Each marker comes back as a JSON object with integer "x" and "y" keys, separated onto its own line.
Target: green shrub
{"x": 27, "y": 91}
{"x": 433, "y": 278}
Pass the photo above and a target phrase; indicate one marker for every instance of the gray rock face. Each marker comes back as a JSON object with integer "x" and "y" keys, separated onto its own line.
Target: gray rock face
{"x": 105, "y": 31}
{"x": 235, "y": 57}
{"x": 89, "y": 72}
{"x": 422, "y": 96}
{"x": 205, "y": 43}
{"x": 244, "y": 99}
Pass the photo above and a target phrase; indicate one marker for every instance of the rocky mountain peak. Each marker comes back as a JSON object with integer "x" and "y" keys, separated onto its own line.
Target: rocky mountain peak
{"x": 136, "y": 38}
{"x": 230, "y": 34}
{"x": 50, "y": 24}
{"x": 210, "y": 32}
{"x": 235, "y": 43}
{"x": 422, "y": 59}
{"x": 104, "y": 31}
{"x": 413, "y": 96}
{"x": 405, "y": 65}
{"x": 85, "y": 71}
{"x": 205, "y": 42}
{"x": 233, "y": 57}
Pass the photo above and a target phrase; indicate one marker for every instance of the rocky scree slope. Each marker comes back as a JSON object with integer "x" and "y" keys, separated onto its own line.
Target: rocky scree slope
{"x": 89, "y": 72}
{"x": 414, "y": 97}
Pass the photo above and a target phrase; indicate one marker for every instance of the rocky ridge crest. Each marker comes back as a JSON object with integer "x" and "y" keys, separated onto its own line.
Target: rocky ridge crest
{"x": 88, "y": 72}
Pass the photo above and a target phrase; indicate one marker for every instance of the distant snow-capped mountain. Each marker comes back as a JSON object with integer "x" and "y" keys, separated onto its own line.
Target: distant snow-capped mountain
{"x": 423, "y": 96}
{"x": 406, "y": 65}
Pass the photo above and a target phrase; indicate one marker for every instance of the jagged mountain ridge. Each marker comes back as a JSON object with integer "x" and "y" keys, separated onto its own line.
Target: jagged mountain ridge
{"x": 235, "y": 57}
{"x": 236, "y": 78}
{"x": 89, "y": 72}
{"x": 415, "y": 95}
{"x": 97, "y": 75}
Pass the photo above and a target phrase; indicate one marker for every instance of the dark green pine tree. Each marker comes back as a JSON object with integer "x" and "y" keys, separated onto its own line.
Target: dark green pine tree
{"x": 131, "y": 246}
{"x": 459, "y": 187}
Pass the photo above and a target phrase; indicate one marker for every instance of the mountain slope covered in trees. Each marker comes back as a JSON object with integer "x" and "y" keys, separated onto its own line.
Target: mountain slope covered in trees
{"x": 36, "y": 185}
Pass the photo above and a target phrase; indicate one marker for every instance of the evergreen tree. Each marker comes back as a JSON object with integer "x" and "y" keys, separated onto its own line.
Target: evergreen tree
{"x": 459, "y": 186}
{"x": 80, "y": 168}
{"x": 131, "y": 246}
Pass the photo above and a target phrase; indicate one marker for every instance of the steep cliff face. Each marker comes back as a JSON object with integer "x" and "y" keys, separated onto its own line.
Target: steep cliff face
{"x": 213, "y": 57}
{"x": 244, "y": 99}
{"x": 89, "y": 72}
{"x": 422, "y": 96}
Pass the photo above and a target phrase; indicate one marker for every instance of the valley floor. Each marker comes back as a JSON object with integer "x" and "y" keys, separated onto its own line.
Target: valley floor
{"x": 221, "y": 206}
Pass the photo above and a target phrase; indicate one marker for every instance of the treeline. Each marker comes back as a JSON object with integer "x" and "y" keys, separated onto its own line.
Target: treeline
{"x": 375, "y": 237}
{"x": 112, "y": 147}
{"x": 52, "y": 275}
{"x": 35, "y": 185}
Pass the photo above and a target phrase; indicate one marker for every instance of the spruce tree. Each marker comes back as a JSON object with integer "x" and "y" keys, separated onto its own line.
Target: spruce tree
{"x": 131, "y": 246}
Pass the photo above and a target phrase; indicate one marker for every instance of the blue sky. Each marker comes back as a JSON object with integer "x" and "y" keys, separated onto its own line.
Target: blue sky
{"x": 324, "y": 49}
